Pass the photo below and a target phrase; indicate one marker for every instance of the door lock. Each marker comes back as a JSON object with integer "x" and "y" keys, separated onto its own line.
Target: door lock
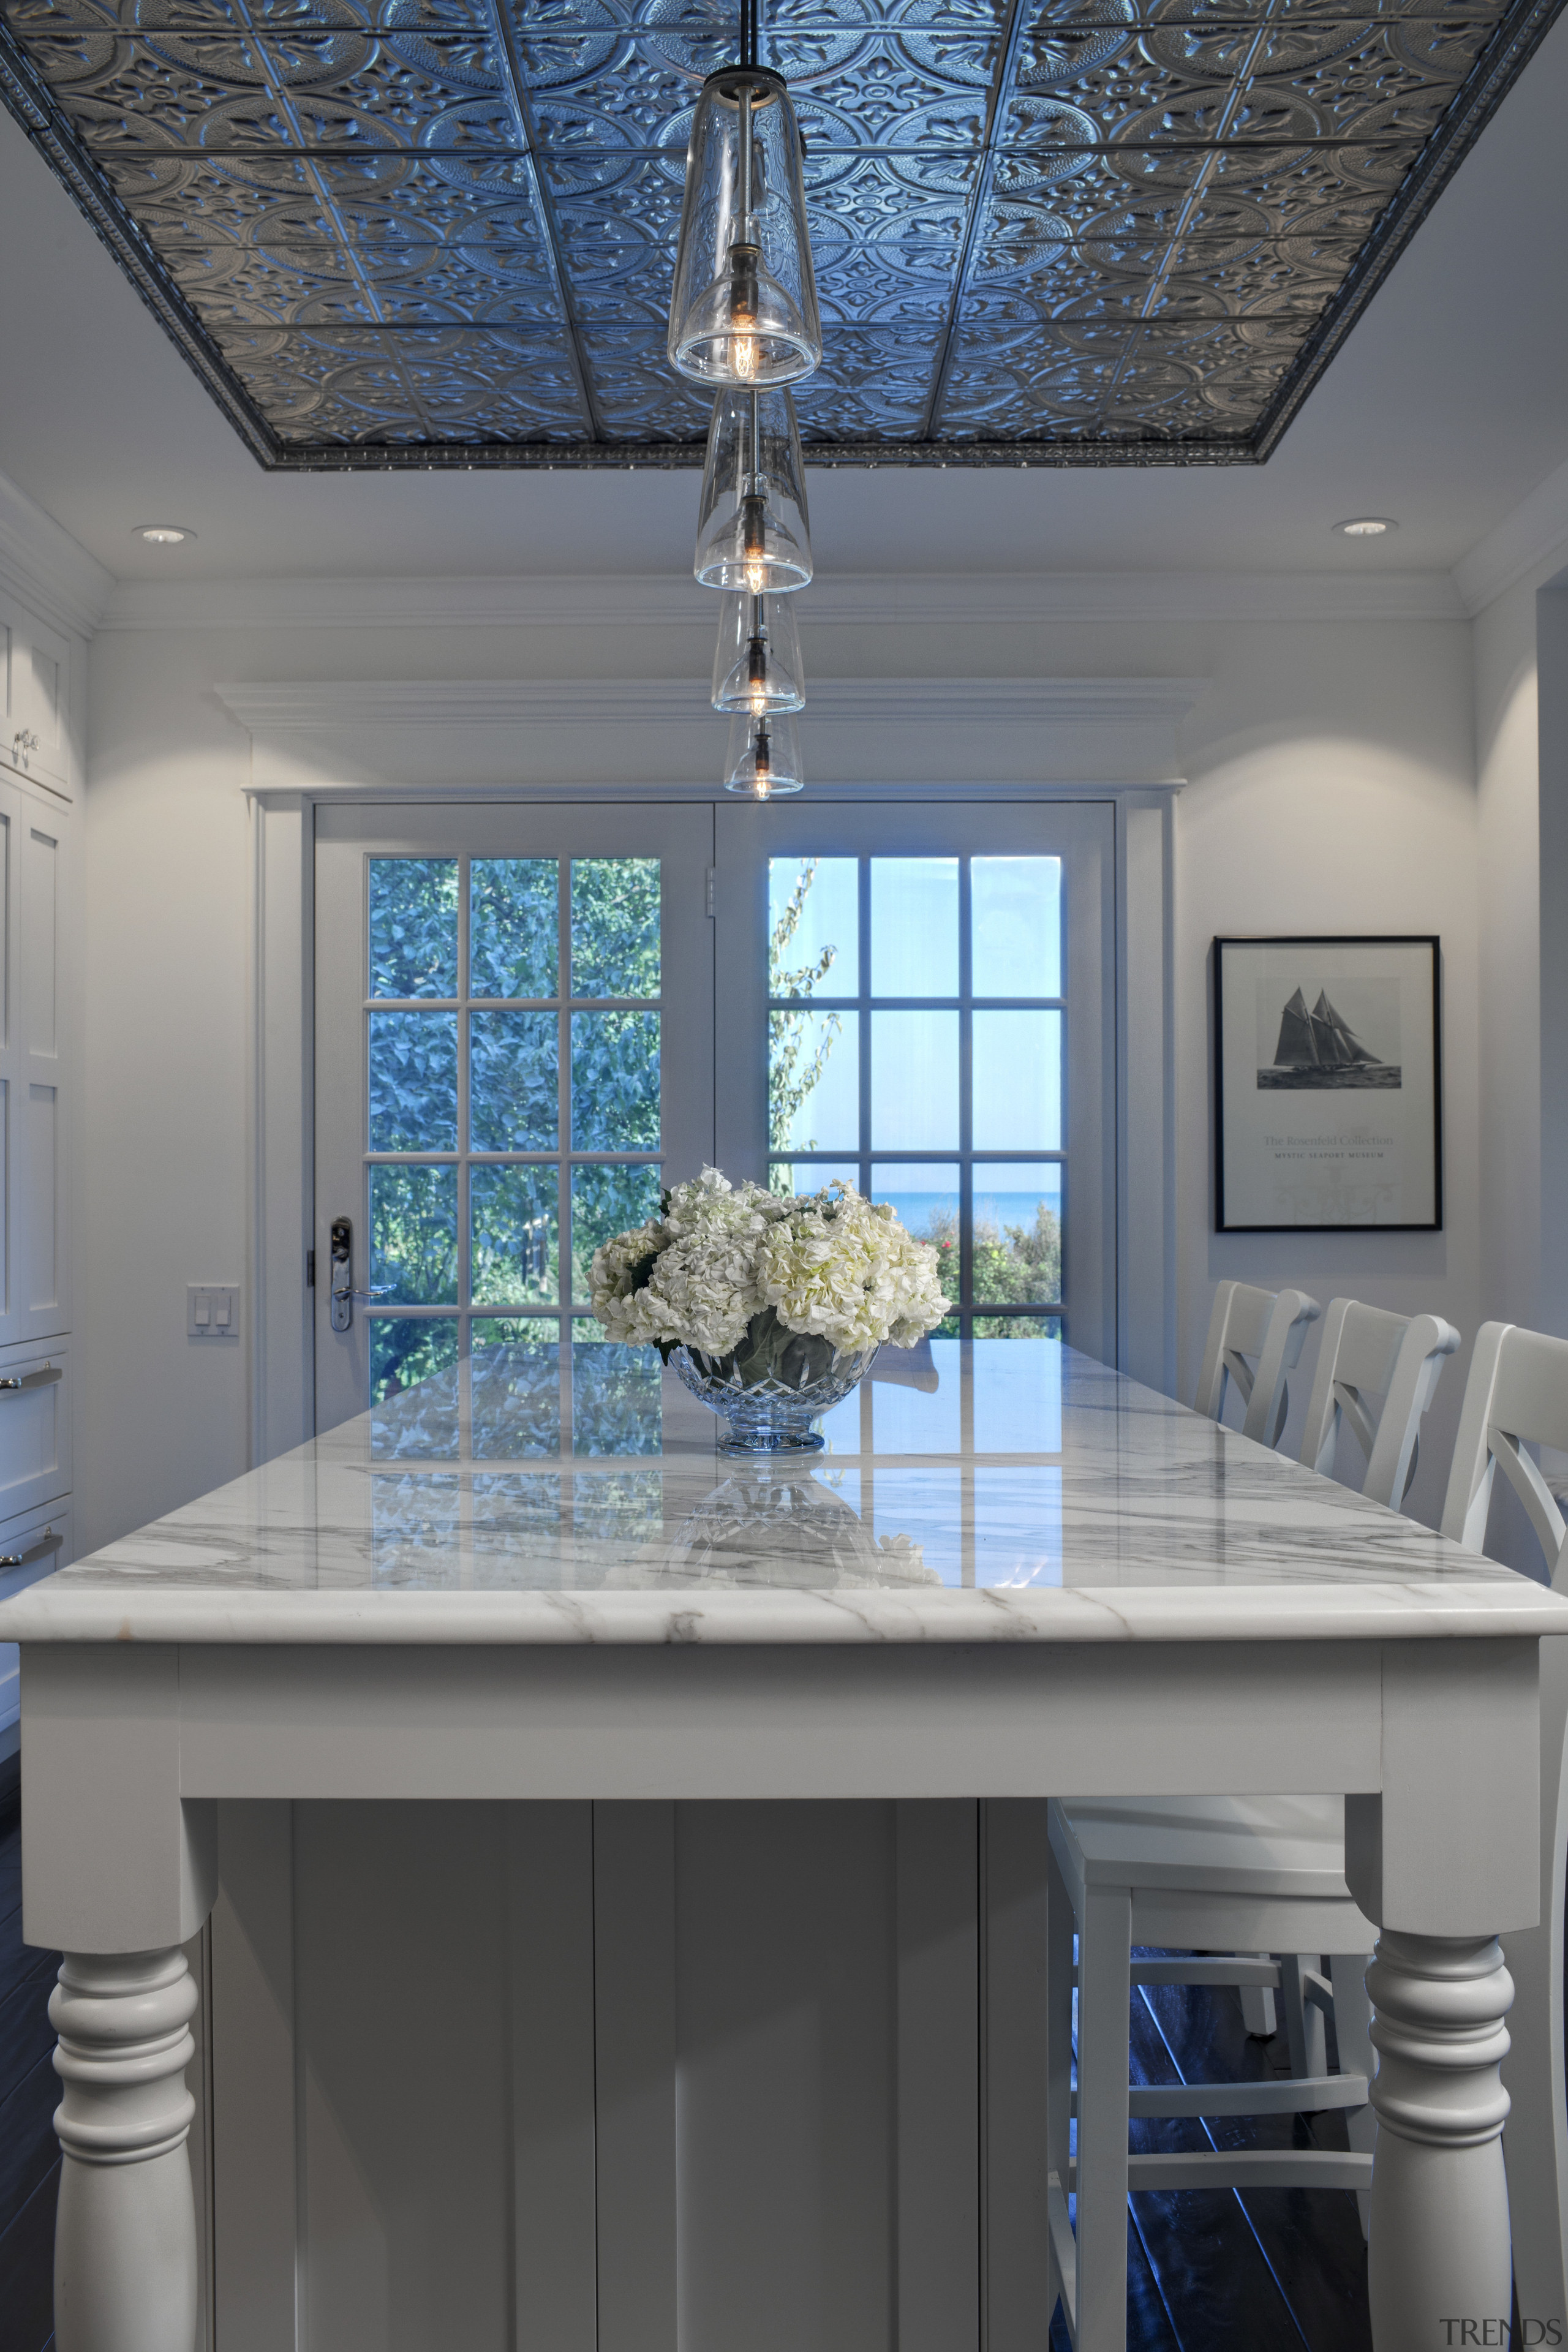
{"x": 342, "y": 1263}
{"x": 344, "y": 1292}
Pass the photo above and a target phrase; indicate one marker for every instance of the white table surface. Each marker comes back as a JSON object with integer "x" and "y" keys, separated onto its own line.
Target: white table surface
{"x": 1032, "y": 1495}
{"x": 1033, "y": 1579}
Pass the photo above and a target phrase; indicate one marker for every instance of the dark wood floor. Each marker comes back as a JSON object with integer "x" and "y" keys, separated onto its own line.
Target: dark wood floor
{"x": 29, "y": 2089}
{"x": 1211, "y": 2271}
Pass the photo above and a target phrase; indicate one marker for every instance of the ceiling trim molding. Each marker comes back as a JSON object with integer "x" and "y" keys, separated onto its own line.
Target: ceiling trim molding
{"x": 448, "y": 704}
{"x": 51, "y": 573}
{"x": 1535, "y": 533}
{"x": 1153, "y": 795}
{"x": 978, "y": 600}
{"x": 650, "y": 734}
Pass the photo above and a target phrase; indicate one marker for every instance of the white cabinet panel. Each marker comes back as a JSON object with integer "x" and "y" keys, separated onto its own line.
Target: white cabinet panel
{"x": 34, "y": 678}
{"x": 32, "y": 1544}
{"x": 34, "y": 1299}
{"x": 35, "y": 1427}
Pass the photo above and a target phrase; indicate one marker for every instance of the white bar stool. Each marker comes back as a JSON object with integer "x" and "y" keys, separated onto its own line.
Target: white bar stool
{"x": 1516, "y": 1395}
{"x": 1224, "y": 1874}
{"x": 1255, "y": 1339}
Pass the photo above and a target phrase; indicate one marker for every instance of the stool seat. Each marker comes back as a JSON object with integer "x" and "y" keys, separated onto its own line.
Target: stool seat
{"x": 1292, "y": 1846}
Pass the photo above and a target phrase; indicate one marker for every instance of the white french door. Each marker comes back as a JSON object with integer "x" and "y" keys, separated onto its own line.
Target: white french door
{"x": 514, "y": 1010}
{"x": 920, "y": 999}
{"x": 519, "y": 1041}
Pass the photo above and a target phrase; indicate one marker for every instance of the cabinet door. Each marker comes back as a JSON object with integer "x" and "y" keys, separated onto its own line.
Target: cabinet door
{"x": 34, "y": 666}
{"x": 33, "y": 1294}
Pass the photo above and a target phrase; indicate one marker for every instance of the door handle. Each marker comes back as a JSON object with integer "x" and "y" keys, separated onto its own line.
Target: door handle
{"x": 341, "y": 1260}
{"x": 48, "y": 1541}
{"x": 41, "y": 1378}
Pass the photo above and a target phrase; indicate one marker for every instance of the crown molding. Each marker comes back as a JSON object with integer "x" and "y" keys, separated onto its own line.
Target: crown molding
{"x": 1534, "y": 534}
{"x": 51, "y": 573}
{"x": 870, "y": 599}
{"x": 457, "y": 733}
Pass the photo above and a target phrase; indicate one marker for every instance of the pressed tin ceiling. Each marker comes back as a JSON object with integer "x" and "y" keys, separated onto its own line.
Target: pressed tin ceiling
{"x": 395, "y": 233}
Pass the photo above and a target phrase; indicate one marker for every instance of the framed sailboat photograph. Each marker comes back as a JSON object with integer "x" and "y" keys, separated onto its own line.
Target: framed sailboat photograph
{"x": 1328, "y": 1085}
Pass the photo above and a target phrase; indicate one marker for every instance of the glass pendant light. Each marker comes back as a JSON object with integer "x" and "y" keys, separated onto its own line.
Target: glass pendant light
{"x": 743, "y": 310}
{"x": 764, "y": 758}
{"x": 751, "y": 528}
{"x": 757, "y": 668}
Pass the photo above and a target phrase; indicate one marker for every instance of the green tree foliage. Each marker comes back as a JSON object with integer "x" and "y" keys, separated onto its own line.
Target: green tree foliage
{"x": 1014, "y": 1265}
{"x": 798, "y": 1043}
{"x": 513, "y": 949}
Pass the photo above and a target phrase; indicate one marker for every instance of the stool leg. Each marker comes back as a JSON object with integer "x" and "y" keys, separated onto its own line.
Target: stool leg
{"x": 1059, "y": 1931}
{"x": 1303, "y": 2019}
{"x": 1352, "y": 2031}
{"x": 1257, "y": 2016}
{"x": 1104, "y": 1989}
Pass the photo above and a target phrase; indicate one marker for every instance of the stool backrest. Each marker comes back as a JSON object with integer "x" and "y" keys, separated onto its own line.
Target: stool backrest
{"x": 1516, "y": 1395}
{"x": 1367, "y": 1353}
{"x": 1255, "y": 1339}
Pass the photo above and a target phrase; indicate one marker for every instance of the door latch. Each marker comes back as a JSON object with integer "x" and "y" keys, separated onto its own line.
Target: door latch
{"x": 343, "y": 1273}
{"x": 343, "y": 1262}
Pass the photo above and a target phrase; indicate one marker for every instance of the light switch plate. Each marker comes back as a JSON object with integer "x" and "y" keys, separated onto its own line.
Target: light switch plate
{"x": 212, "y": 1310}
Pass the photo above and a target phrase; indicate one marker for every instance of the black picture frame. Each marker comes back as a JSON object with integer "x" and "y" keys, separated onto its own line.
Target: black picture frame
{"x": 1317, "y": 1168}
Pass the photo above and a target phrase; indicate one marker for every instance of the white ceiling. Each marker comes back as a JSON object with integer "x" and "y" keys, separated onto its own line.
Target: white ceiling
{"x": 1446, "y": 408}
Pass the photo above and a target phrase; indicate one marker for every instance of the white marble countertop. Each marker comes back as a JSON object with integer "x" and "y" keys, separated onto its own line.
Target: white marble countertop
{"x": 1029, "y": 1494}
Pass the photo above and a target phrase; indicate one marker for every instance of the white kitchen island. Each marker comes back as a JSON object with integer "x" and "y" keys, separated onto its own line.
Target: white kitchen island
{"x": 537, "y": 2017}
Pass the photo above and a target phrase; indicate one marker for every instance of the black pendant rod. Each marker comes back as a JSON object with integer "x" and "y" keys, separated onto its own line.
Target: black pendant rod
{"x": 751, "y": 31}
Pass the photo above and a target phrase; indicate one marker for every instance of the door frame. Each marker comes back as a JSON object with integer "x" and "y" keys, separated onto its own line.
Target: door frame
{"x": 280, "y": 1209}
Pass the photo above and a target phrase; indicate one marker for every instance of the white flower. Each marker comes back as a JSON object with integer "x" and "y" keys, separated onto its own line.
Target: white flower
{"x": 829, "y": 1263}
{"x": 842, "y": 1268}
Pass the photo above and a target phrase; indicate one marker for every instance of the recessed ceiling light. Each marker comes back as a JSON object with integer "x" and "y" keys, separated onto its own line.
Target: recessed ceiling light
{"x": 162, "y": 534}
{"x": 1365, "y": 527}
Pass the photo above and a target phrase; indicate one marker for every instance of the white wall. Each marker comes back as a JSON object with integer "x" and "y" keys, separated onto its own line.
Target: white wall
{"x": 1331, "y": 767}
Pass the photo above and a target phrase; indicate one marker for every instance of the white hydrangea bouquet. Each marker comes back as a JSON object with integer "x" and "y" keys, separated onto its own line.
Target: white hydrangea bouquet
{"x": 769, "y": 1306}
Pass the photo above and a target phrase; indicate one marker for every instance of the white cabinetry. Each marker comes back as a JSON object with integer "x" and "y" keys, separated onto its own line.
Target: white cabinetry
{"x": 33, "y": 696}
{"x": 36, "y": 901}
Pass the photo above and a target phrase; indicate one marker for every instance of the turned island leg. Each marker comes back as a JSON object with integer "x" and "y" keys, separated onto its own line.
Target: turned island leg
{"x": 125, "y": 2233}
{"x": 1439, "y": 2253}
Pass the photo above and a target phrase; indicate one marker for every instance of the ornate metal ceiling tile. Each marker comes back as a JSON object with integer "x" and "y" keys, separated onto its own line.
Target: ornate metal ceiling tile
{"x": 417, "y": 232}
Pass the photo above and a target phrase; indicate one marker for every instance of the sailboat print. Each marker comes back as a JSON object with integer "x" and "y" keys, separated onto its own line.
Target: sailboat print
{"x": 1320, "y": 1049}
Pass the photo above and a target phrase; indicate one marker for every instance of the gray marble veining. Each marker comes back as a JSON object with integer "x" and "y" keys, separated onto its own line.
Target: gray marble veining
{"x": 1032, "y": 1495}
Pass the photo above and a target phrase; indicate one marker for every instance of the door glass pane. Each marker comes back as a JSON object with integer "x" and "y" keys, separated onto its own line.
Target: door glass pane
{"x": 914, "y": 926}
{"x": 814, "y": 1082}
{"x": 1016, "y": 917}
{"x": 1017, "y": 1234}
{"x": 914, "y": 1081}
{"x": 614, "y": 1081}
{"x": 615, "y": 926}
{"x": 605, "y": 1201}
{"x": 414, "y": 1235}
{"x": 412, "y": 927}
{"x": 514, "y": 927}
{"x": 814, "y": 926}
{"x": 513, "y": 1237}
{"x": 1017, "y": 1081}
{"x": 412, "y": 1082}
{"x": 926, "y": 1195}
{"x": 403, "y": 1352}
{"x": 514, "y": 1103}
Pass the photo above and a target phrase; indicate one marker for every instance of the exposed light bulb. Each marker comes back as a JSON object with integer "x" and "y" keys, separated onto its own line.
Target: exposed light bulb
{"x": 756, "y": 663}
{"x": 764, "y": 758}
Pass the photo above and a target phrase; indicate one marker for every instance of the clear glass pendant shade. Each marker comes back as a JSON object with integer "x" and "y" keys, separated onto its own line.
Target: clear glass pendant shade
{"x": 752, "y": 527}
{"x": 757, "y": 668}
{"x": 743, "y": 310}
{"x": 764, "y": 758}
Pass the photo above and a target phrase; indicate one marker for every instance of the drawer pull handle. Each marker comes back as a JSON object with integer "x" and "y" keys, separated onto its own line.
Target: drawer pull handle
{"x": 48, "y": 1541}
{"x": 39, "y": 1380}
